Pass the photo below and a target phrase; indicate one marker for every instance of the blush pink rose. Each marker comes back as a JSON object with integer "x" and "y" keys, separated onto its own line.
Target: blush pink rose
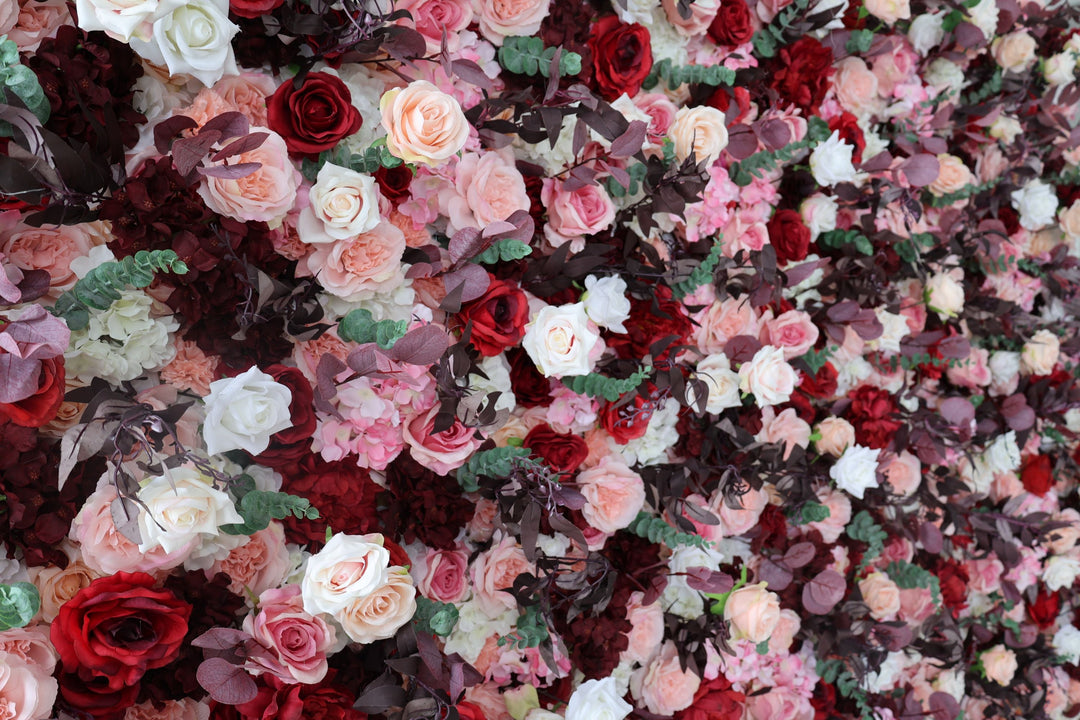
{"x": 32, "y": 645}
{"x": 785, "y": 631}
{"x": 259, "y": 564}
{"x": 646, "y": 629}
{"x": 780, "y": 703}
{"x": 571, "y": 215}
{"x": 614, "y": 494}
{"x": 439, "y": 452}
{"x": 265, "y": 195}
{"x": 423, "y": 124}
{"x": 503, "y": 18}
{"x": 787, "y": 428}
{"x": 37, "y": 21}
{"x": 834, "y": 436}
{"x": 247, "y": 92}
{"x": 445, "y": 576}
{"x": 432, "y": 17}
{"x": 985, "y": 574}
{"x": 973, "y": 372}
{"x": 487, "y": 188}
{"x": 662, "y": 685}
{"x": 794, "y": 331}
{"x": 895, "y": 67}
{"x": 897, "y": 549}
{"x": 856, "y": 86}
{"x": 661, "y": 112}
{"x": 881, "y": 595}
{"x": 493, "y": 571}
{"x": 736, "y": 521}
{"x": 753, "y": 612}
{"x": 724, "y": 320}
{"x": 27, "y": 692}
{"x": 184, "y": 709}
{"x": 916, "y": 604}
{"x": 903, "y": 472}
{"x": 482, "y": 524}
{"x": 379, "y": 615}
{"x": 297, "y": 641}
{"x": 832, "y": 527}
{"x": 51, "y": 249}
{"x": 367, "y": 263}
{"x": 702, "y": 13}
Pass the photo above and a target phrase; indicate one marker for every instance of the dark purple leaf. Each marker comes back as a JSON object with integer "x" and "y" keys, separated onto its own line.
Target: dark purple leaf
{"x": 189, "y": 152}
{"x": 422, "y": 346}
{"x": 921, "y": 170}
{"x": 935, "y": 145}
{"x": 866, "y": 325}
{"x": 629, "y": 142}
{"x": 166, "y": 130}
{"x": 227, "y": 125}
{"x": 472, "y": 279}
{"x": 942, "y": 706}
{"x": 364, "y": 360}
{"x": 777, "y": 576}
{"x": 742, "y": 142}
{"x": 561, "y": 524}
{"x": 774, "y": 133}
{"x": 221, "y": 638}
{"x": 229, "y": 172}
{"x": 957, "y": 411}
{"x": 741, "y": 348}
{"x": 969, "y": 36}
{"x": 519, "y": 226}
{"x": 844, "y": 311}
{"x": 956, "y": 347}
{"x": 243, "y": 145}
{"x": 931, "y": 538}
{"x": 33, "y": 285}
{"x": 800, "y": 554}
{"x": 466, "y": 243}
{"x": 879, "y": 162}
{"x": 471, "y": 73}
{"x": 228, "y": 684}
{"x": 708, "y": 581}
{"x": 1017, "y": 413}
{"x": 820, "y": 595}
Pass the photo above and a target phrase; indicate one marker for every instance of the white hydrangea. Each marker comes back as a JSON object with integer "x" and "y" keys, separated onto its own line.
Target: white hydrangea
{"x": 651, "y": 448}
{"x": 946, "y": 75}
{"x": 888, "y": 675}
{"x": 952, "y": 682}
{"x": 666, "y": 41}
{"x": 678, "y": 596}
{"x": 473, "y": 629}
{"x": 554, "y": 158}
{"x": 146, "y": 342}
{"x": 366, "y": 91}
{"x": 927, "y": 31}
{"x": 805, "y": 291}
{"x": 851, "y": 373}
{"x": 1067, "y": 643}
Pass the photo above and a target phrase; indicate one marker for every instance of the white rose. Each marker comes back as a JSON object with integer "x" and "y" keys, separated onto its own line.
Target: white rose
{"x": 1037, "y": 204}
{"x": 122, "y": 20}
{"x": 830, "y": 162}
{"x": 1003, "y": 455}
{"x": 606, "y": 303}
{"x": 559, "y": 340}
{"x": 597, "y": 700}
{"x": 926, "y": 32}
{"x": 1040, "y": 353}
{"x": 768, "y": 377}
{"x": 1067, "y": 643}
{"x": 539, "y": 714}
{"x": 1059, "y": 69}
{"x": 701, "y": 130}
{"x": 1006, "y": 129}
{"x": 342, "y": 204}
{"x": 379, "y": 614}
{"x": 1014, "y": 52}
{"x": 985, "y": 17}
{"x": 856, "y": 470}
{"x": 194, "y": 39}
{"x": 498, "y": 380}
{"x": 1060, "y": 572}
{"x": 895, "y": 329}
{"x": 944, "y": 295}
{"x": 182, "y": 507}
{"x": 347, "y": 568}
{"x": 242, "y": 412}
{"x": 1004, "y": 369}
{"x": 722, "y": 381}
{"x": 945, "y": 75}
{"x": 819, "y": 213}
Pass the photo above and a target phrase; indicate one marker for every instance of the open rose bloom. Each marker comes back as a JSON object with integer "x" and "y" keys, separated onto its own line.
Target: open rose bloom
{"x": 539, "y": 360}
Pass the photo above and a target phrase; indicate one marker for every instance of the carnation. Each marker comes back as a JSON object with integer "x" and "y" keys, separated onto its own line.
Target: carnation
{"x": 856, "y": 470}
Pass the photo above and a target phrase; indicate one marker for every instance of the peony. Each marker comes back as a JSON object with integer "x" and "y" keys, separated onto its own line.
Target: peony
{"x": 27, "y": 691}
{"x": 341, "y": 204}
{"x": 195, "y": 39}
{"x": 181, "y": 509}
{"x": 242, "y": 412}
{"x": 348, "y": 567}
{"x": 768, "y": 377}
{"x": 753, "y": 612}
{"x": 265, "y": 195}
{"x": 597, "y": 700}
{"x": 559, "y": 340}
{"x": 702, "y": 131}
{"x": 423, "y": 124}
{"x": 830, "y": 162}
{"x": 856, "y": 470}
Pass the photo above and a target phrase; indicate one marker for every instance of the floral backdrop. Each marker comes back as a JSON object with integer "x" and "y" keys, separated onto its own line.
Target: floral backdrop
{"x": 539, "y": 359}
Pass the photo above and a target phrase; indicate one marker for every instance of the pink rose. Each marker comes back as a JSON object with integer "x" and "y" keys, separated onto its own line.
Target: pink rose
{"x": 794, "y": 331}
{"x": 367, "y": 263}
{"x": 856, "y": 86}
{"x": 661, "y": 112}
{"x": 571, "y": 215}
{"x": 916, "y": 604}
{"x": 999, "y": 663}
{"x": 259, "y": 564}
{"x": 32, "y": 645}
{"x": 895, "y": 67}
{"x": 753, "y": 613}
{"x": 493, "y": 571}
{"x": 297, "y": 641}
{"x": 736, "y": 521}
{"x": 834, "y": 436}
{"x": 37, "y": 21}
{"x": 702, "y": 13}
{"x": 9, "y": 15}
{"x": 780, "y": 703}
{"x": 432, "y": 17}
{"x": 646, "y": 629}
{"x": 723, "y": 321}
{"x": 985, "y": 574}
{"x": 265, "y": 195}
{"x": 832, "y": 527}
{"x": 749, "y": 236}
{"x": 785, "y": 631}
{"x": 51, "y": 249}
{"x": 487, "y": 188}
{"x": 787, "y": 428}
{"x": 767, "y": 9}
{"x": 443, "y": 451}
{"x": 897, "y": 549}
{"x": 482, "y": 524}
{"x": 662, "y": 685}
{"x": 27, "y": 692}
{"x": 614, "y": 494}
{"x": 247, "y": 92}
{"x": 445, "y": 576}
{"x": 185, "y": 709}
{"x": 903, "y": 472}
{"x": 881, "y": 595}
{"x": 502, "y": 18}
{"x": 972, "y": 372}
{"x": 768, "y": 377}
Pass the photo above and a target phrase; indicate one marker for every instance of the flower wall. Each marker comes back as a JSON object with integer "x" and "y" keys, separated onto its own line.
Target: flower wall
{"x": 489, "y": 359}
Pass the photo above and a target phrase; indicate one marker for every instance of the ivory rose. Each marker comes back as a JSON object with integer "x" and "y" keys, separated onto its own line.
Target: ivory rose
{"x": 439, "y": 452}
{"x": 360, "y": 265}
{"x": 265, "y": 195}
{"x": 614, "y": 494}
{"x": 999, "y": 664}
{"x": 597, "y": 700}
{"x": 242, "y": 412}
{"x": 193, "y": 38}
{"x": 768, "y": 377}
{"x": 753, "y": 612}
{"x": 1040, "y": 353}
{"x": 341, "y": 204}
{"x": 298, "y": 642}
{"x": 500, "y": 19}
{"x": 423, "y": 124}
{"x": 573, "y": 214}
{"x": 663, "y": 686}
{"x": 559, "y": 340}
{"x": 700, "y": 130}
{"x": 722, "y": 383}
{"x": 123, "y": 20}
{"x": 945, "y": 294}
{"x": 182, "y": 509}
{"x": 881, "y": 595}
{"x": 348, "y": 567}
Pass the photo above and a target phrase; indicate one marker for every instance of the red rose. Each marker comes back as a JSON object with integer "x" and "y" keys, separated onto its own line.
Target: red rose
{"x": 468, "y": 711}
{"x": 253, "y": 8}
{"x": 822, "y": 385}
{"x": 1044, "y": 611}
{"x": 870, "y": 413}
{"x": 721, "y": 100}
{"x": 1037, "y": 474}
{"x": 114, "y": 630}
{"x": 850, "y": 132}
{"x": 343, "y": 493}
{"x": 395, "y": 183}
{"x": 650, "y": 320}
{"x": 733, "y": 24}
{"x": 627, "y": 422}
{"x": 531, "y": 389}
{"x": 564, "y": 452}
{"x": 622, "y": 56}
{"x": 93, "y": 697}
{"x": 789, "y": 236}
{"x": 954, "y": 580}
{"x": 315, "y": 116}
{"x": 498, "y": 317}
{"x": 40, "y": 407}
{"x": 715, "y": 700}
{"x": 801, "y": 73}
{"x": 288, "y": 446}
{"x": 278, "y": 700}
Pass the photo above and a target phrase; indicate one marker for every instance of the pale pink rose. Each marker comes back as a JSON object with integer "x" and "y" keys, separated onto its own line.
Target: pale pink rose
{"x": 985, "y": 574}
{"x": 27, "y": 692}
{"x": 881, "y": 595}
{"x": 1056, "y": 682}
{"x": 896, "y": 67}
{"x": 768, "y": 377}
{"x": 571, "y": 215}
{"x": 744, "y": 235}
{"x": 439, "y": 452}
{"x": 247, "y": 92}
{"x": 259, "y": 564}
{"x": 367, "y": 263}
{"x": 835, "y": 435}
{"x": 185, "y": 709}
{"x": 972, "y": 372}
{"x": 787, "y": 428}
{"x": 662, "y": 685}
{"x": 916, "y": 604}
{"x": 32, "y": 645}
{"x": 700, "y": 131}
{"x": 646, "y": 629}
{"x": 51, "y": 249}
{"x": 753, "y": 613}
{"x": 1014, "y": 52}
{"x": 488, "y": 696}
{"x": 297, "y": 641}
{"x": 379, "y": 615}
{"x": 903, "y": 472}
{"x": 1069, "y": 219}
{"x": 832, "y": 527}
{"x": 431, "y": 17}
{"x": 736, "y": 521}
{"x": 265, "y": 195}
{"x": 779, "y": 703}
{"x": 856, "y": 86}
{"x": 999, "y": 663}
{"x": 482, "y": 524}
{"x": 56, "y": 586}
{"x": 889, "y": 11}
{"x": 493, "y": 571}
{"x": 661, "y": 112}
{"x": 446, "y": 576}
{"x": 487, "y": 188}
{"x": 503, "y": 18}
{"x": 953, "y": 175}
{"x": 785, "y": 631}
{"x": 423, "y": 124}
{"x": 793, "y": 330}
{"x": 37, "y": 21}
{"x": 9, "y": 15}
{"x": 723, "y": 321}
{"x": 614, "y": 494}
{"x": 897, "y": 549}
{"x": 702, "y": 13}
{"x": 990, "y": 162}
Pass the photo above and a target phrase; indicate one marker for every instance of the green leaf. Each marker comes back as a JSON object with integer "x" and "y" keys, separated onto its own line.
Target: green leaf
{"x": 908, "y": 576}
{"x": 495, "y": 463}
{"x": 259, "y": 507}
{"x": 503, "y": 251}
{"x": 656, "y": 530}
{"x": 702, "y": 274}
{"x": 359, "y": 326}
{"x": 19, "y": 602}
{"x": 816, "y": 359}
{"x": 434, "y": 617}
{"x": 860, "y": 41}
{"x": 528, "y": 56}
{"x": 812, "y": 512}
{"x": 531, "y": 630}
{"x": 863, "y": 528}
{"x": 611, "y": 389}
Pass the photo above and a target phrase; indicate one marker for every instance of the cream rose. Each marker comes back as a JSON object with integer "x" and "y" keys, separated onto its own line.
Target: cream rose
{"x": 122, "y": 19}
{"x": 195, "y": 39}
{"x": 423, "y": 124}
{"x": 379, "y": 614}
{"x": 881, "y": 595}
{"x": 856, "y": 470}
{"x": 242, "y": 412}
{"x": 768, "y": 377}
{"x": 700, "y": 130}
{"x": 1014, "y": 52}
{"x": 614, "y": 494}
{"x": 753, "y": 612}
{"x": 560, "y": 339}
{"x": 999, "y": 664}
{"x": 56, "y": 586}
{"x": 1070, "y": 220}
{"x": 889, "y": 11}
{"x": 721, "y": 381}
{"x": 341, "y": 204}
{"x": 953, "y": 175}
{"x": 1037, "y": 204}
{"x": 945, "y": 295}
{"x": 348, "y": 567}
{"x": 1040, "y": 354}
{"x": 181, "y": 510}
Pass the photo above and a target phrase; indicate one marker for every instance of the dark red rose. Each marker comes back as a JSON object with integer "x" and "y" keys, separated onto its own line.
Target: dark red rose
{"x": 282, "y": 701}
{"x": 622, "y": 56}
{"x": 531, "y": 389}
{"x": 498, "y": 317}
{"x": 564, "y": 452}
{"x": 651, "y": 319}
{"x": 394, "y": 183}
{"x": 733, "y": 24}
{"x": 116, "y": 628}
{"x": 801, "y": 73}
{"x": 870, "y": 412}
{"x": 1037, "y": 474}
{"x": 315, "y": 116}
{"x": 92, "y": 696}
{"x": 253, "y": 8}
{"x": 771, "y": 530}
{"x": 40, "y": 407}
{"x": 1011, "y": 219}
{"x": 789, "y": 235}
{"x": 627, "y": 422}
{"x": 1044, "y": 611}
{"x": 721, "y": 100}
{"x": 822, "y": 385}
{"x": 954, "y": 579}
{"x": 289, "y": 445}
{"x": 850, "y": 132}
{"x": 715, "y": 700}
{"x": 468, "y": 711}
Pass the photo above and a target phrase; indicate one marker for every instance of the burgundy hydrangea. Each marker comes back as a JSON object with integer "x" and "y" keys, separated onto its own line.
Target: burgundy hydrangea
{"x": 423, "y": 505}
{"x": 343, "y": 493}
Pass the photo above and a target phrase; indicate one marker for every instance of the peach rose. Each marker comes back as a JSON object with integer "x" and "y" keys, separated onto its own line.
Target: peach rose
{"x": 646, "y": 629}
{"x": 503, "y": 18}
{"x": 780, "y": 703}
{"x": 856, "y": 86}
{"x": 496, "y": 569}
{"x": 379, "y": 615}
{"x": 736, "y": 521}
{"x": 445, "y": 576}
{"x": 56, "y": 586}
{"x": 584, "y": 211}
{"x": 881, "y": 595}
{"x": 889, "y": 11}
{"x": 700, "y": 130}
{"x": 785, "y": 631}
{"x": 1040, "y": 354}
{"x": 953, "y": 175}
{"x": 753, "y": 613}
{"x": 367, "y": 263}
{"x": 1014, "y": 52}
{"x": 903, "y": 472}
{"x": 839, "y": 505}
{"x": 487, "y": 188}
{"x": 702, "y": 13}
{"x": 259, "y": 564}
{"x": 724, "y": 320}
{"x": 663, "y": 686}
{"x": 423, "y": 124}
{"x": 440, "y": 452}
{"x": 614, "y": 494}
{"x": 32, "y": 644}
{"x": 1062, "y": 540}
{"x": 298, "y": 642}
{"x": 787, "y": 428}
{"x": 341, "y": 204}
{"x": 37, "y": 21}
{"x": 247, "y": 92}
{"x": 51, "y": 249}
{"x": 793, "y": 330}
{"x": 27, "y": 692}
{"x": 999, "y": 664}
{"x": 768, "y": 377}
{"x": 265, "y": 195}
{"x": 185, "y": 709}
{"x": 1069, "y": 219}
{"x": 834, "y": 436}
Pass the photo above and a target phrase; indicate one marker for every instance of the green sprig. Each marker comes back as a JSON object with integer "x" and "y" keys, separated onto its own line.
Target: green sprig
{"x": 528, "y": 56}
{"x": 679, "y": 75}
{"x": 656, "y": 530}
{"x": 611, "y": 389}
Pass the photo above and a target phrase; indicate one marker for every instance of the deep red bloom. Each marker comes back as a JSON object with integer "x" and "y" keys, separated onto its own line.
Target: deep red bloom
{"x": 343, "y": 493}
{"x": 468, "y": 711}
{"x": 721, "y": 100}
{"x": 954, "y": 583}
{"x": 871, "y": 412}
{"x": 40, "y": 407}
{"x": 801, "y": 73}
{"x": 278, "y": 700}
{"x": 715, "y": 700}
{"x": 289, "y": 445}
{"x": 822, "y": 385}
{"x": 650, "y": 320}
{"x": 253, "y": 8}
{"x": 498, "y": 317}
{"x": 531, "y": 389}
{"x": 93, "y": 697}
{"x": 627, "y": 422}
{"x": 851, "y": 133}
{"x": 788, "y": 235}
{"x": 394, "y": 183}
{"x": 564, "y": 452}
{"x": 733, "y": 24}
{"x": 622, "y": 56}
{"x": 315, "y": 116}
{"x": 1037, "y": 474}
{"x": 1044, "y": 611}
